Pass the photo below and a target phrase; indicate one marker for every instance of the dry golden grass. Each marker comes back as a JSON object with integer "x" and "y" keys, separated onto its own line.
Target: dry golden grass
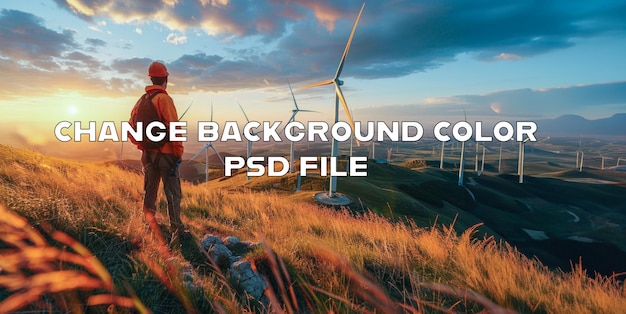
{"x": 331, "y": 255}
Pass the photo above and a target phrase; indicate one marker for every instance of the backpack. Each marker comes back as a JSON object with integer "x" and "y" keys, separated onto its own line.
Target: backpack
{"x": 146, "y": 114}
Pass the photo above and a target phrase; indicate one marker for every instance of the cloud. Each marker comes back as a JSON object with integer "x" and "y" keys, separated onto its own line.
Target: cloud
{"x": 94, "y": 42}
{"x": 24, "y": 38}
{"x": 585, "y": 100}
{"x": 394, "y": 38}
{"x": 303, "y": 40}
{"x": 176, "y": 39}
{"x": 507, "y": 56}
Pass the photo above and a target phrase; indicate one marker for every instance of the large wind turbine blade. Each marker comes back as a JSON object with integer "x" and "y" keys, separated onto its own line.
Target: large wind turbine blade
{"x": 303, "y": 110}
{"x": 244, "y": 112}
{"x": 199, "y": 152}
{"x": 293, "y": 96}
{"x": 218, "y": 154}
{"x": 345, "y": 108}
{"x": 345, "y": 51}
{"x": 322, "y": 83}
{"x": 182, "y": 115}
{"x": 211, "y": 111}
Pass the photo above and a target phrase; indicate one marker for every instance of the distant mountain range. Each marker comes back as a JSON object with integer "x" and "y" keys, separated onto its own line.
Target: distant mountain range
{"x": 577, "y": 125}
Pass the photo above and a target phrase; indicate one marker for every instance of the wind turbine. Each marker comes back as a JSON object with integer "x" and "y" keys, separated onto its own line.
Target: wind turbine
{"x": 580, "y": 147}
{"x": 500, "y": 158}
{"x": 603, "y": 157}
{"x": 482, "y": 162}
{"x": 443, "y": 144}
{"x": 389, "y": 151}
{"x": 249, "y": 147}
{"x": 205, "y": 149}
{"x": 476, "y": 158}
{"x": 582, "y": 156}
{"x": 291, "y": 119}
{"x": 339, "y": 98}
{"x": 520, "y": 162}
{"x": 462, "y": 163}
{"x": 462, "y": 159}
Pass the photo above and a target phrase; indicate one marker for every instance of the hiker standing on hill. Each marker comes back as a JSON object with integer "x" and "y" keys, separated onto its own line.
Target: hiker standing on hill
{"x": 160, "y": 160}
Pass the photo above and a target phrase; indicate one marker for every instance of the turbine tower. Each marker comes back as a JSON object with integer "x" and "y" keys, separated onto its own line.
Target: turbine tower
{"x": 500, "y": 159}
{"x": 462, "y": 159}
{"x": 443, "y": 144}
{"x": 291, "y": 119}
{"x": 462, "y": 163}
{"x": 339, "y": 98}
{"x": 520, "y": 162}
{"x": 582, "y": 156}
{"x": 482, "y": 161}
{"x": 249, "y": 147}
{"x": 603, "y": 157}
{"x": 476, "y": 159}
{"x": 205, "y": 149}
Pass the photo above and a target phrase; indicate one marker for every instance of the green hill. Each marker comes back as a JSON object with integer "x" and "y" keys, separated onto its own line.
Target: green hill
{"x": 331, "y": 255}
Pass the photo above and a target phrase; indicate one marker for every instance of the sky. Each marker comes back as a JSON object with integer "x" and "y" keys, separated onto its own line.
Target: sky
{"x": 87, "y": 60}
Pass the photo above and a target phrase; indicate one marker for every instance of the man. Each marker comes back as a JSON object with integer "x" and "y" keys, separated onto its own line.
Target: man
{"x": 160, "y": 163}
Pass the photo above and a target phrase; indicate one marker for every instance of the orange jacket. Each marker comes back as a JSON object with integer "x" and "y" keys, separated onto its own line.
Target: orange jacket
{"x": 167, "y": 113}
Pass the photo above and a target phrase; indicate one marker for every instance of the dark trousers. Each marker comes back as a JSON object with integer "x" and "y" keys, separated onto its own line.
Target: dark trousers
{"x": 157, "y": 167}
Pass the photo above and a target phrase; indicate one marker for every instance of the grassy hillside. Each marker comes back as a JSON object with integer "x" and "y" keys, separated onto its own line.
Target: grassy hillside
{"x": 331, "y": 255}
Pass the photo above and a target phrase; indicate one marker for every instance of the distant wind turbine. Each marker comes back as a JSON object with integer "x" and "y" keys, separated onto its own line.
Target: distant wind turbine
{"x": 249, "y": 147}
{"x": 461, "y": 163}
{"x": 291, "y": 119}
{"x": 389, "y": 151}
{"x": 443, "y": 144}
{"x": 582, "y": 156}
{"x": 476, "y": 159}
{"x": 602, "y": 161}
{"x": 205, "y": 149}
{"x": 482, "y": 162}
{"x": 462, "y": 158}
{"x": 339, "y": 98}
{"x": 580, "y": 148}
{"x": 500, "y": 159}
{"x": 520, "y": 162}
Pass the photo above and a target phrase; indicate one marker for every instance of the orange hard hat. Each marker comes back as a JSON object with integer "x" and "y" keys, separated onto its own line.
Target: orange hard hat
{"x": 157, "y": 69}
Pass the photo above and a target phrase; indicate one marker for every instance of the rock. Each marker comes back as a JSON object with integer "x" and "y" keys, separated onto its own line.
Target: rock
{"x": 232, "y": 241}
{"x": 234, "y": 259}
{"x": 220, "y": 254}
{"x": 210, "y": 240}
{"x": 250, "y": 281}
{"x": 228, "y": 254}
